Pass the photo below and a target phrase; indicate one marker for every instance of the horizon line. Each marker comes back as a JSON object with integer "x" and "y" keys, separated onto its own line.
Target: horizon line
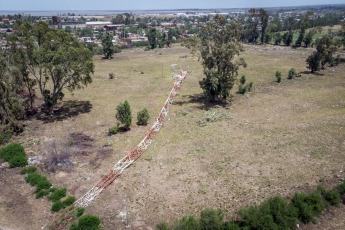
{"x": 176, "y": 9}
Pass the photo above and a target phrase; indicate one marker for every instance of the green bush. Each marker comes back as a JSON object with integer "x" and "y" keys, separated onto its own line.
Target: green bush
{"x": 188, "y": 223}
{"x": 57, "y": 205}
{"x": 275, "y": 213}
{"x": 292, "y": 73}
{"x": 57, "y": 194}
{"x": 250, "y": 86}
{"x": 80, "y": 211}
{"x": 11, "y": 150}
{"x": 124, "y": 114}
{"x": 162, "y": 226}
{"x": 332, "y": 197}
{"x": 143, "y": 117}
{"x": 69, "y": 201}
{"x": 279, "y": 76}
{"x": 38, "y": 180}
{"x": 211, "y": 219}
{"x": 31, "y": 169}
{"x": 308, "y": 206}
{"x": 111, "y": 76}
{"x": 230, "y": 226}
{"x": 243, "y": 88}
{"x": 18, "y": 161}
{"x": 113, "y": 130}
{"x": 341, "y": 188}
{"x": 23, "y": 171}
{"x": 89, "y": 222}
{"x": 42, "y": 193}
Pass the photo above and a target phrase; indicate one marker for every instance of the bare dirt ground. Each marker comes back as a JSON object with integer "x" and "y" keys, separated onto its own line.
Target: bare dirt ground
{"x": 279, "y": 139}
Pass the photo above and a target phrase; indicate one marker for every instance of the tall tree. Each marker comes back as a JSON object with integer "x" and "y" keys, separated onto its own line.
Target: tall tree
{"x": 325, "y": 48}
{"x": 262, "y": 16}
{"x": 56, "y": 60}
{"x": 152, "y": 36}
{"x": 218, "y": 47}
{"x": 127, "y": 18}
{"x": 108, "y": 46}
{"x": 119, "y": 19}
{"x": 170, "y": 37}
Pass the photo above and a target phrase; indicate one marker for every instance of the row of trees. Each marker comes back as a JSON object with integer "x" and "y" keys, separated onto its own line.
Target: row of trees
{"x": 39, "y": 57}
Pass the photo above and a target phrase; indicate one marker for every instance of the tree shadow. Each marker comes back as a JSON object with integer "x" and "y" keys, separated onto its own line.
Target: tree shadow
{"x": 71, "y": 108}
{"x": 314, "y": 73}
{"x": 202, "y": 102}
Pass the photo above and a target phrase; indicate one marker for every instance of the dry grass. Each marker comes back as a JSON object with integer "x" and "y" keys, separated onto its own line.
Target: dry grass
{"x": 284, "y": 137}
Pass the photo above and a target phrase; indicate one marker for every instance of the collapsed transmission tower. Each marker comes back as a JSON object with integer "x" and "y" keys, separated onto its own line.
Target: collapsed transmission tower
{"x": 125, "y": 162}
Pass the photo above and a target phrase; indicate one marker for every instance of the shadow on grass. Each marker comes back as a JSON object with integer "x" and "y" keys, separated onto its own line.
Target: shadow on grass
{"x": 71, "y": 108}
{"x": 202, "y": 102}
{"x": 314, "y": 73}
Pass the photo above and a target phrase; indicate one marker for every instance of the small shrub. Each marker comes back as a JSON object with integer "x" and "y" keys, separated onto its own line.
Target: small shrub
{"x": 211, "y": 219}
{"x": 89, "y": 222}
{"x": 250, "y": 85}
{"x": 188, "y": 223}
{"x": 43, "y": 184}
{"x": 292, "y": 73}
{"x": 42, "y": 193}
{"x": 113, "y": 130}
{"x": 18, "y": 161}
{"x": 57, "y": 205}
{"x": 162, "y": 226}
{"x": 52, "y": 189}
{"x": 31, "y": 169}
{"x": 57, "y": 194}
{"x": 38, "y": 180}
{"x": 308, "y": 206}
{"x": 69, "y": 201}
{"x": 11, "y": 150}
{"x": 111, "y": 76}
{"x": 341, "y": 188}
{"x": 143, "y": 117}
{"x": 124, "y": 114}
{"x": 279, "y": 76}
{"x": 23, "y": 171}
{"x": 242, "y": 89}
{"x": 243, "y": 80}
{"x": 80, "y": 211}
{"x": 230, "y": 226}
{"x": 332, "y": 197}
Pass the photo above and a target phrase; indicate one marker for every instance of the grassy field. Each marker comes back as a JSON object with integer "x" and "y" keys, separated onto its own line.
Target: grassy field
{"x": 278, "y": 139}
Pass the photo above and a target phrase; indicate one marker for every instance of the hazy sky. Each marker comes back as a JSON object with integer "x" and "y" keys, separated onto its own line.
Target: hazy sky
{"x": 150, "y": 4}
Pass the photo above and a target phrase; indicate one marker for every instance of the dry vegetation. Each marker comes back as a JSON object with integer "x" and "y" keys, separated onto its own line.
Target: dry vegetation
{"x": 283, "y": 138}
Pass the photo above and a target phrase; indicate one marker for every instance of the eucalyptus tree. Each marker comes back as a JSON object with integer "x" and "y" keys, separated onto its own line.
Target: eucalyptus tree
{"x": 56, "y": 60}
{"x": 219, "y": 47}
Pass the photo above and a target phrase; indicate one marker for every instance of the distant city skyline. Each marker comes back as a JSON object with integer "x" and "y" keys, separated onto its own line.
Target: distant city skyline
{"x": 65, "y": 5}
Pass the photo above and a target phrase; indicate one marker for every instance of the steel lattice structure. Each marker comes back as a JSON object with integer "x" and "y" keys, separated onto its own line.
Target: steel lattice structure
{"x": 125, "y": 162}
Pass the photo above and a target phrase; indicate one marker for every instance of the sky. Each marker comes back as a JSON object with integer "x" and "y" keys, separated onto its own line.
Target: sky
{"x": 59, "y": 5}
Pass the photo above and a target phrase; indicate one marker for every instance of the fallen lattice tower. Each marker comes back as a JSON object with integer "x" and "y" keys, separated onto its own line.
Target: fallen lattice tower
{"x": 132, "y": 156}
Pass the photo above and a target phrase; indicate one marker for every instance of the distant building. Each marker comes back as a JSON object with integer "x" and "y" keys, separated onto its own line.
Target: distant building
{"x": 97, "y": 24}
